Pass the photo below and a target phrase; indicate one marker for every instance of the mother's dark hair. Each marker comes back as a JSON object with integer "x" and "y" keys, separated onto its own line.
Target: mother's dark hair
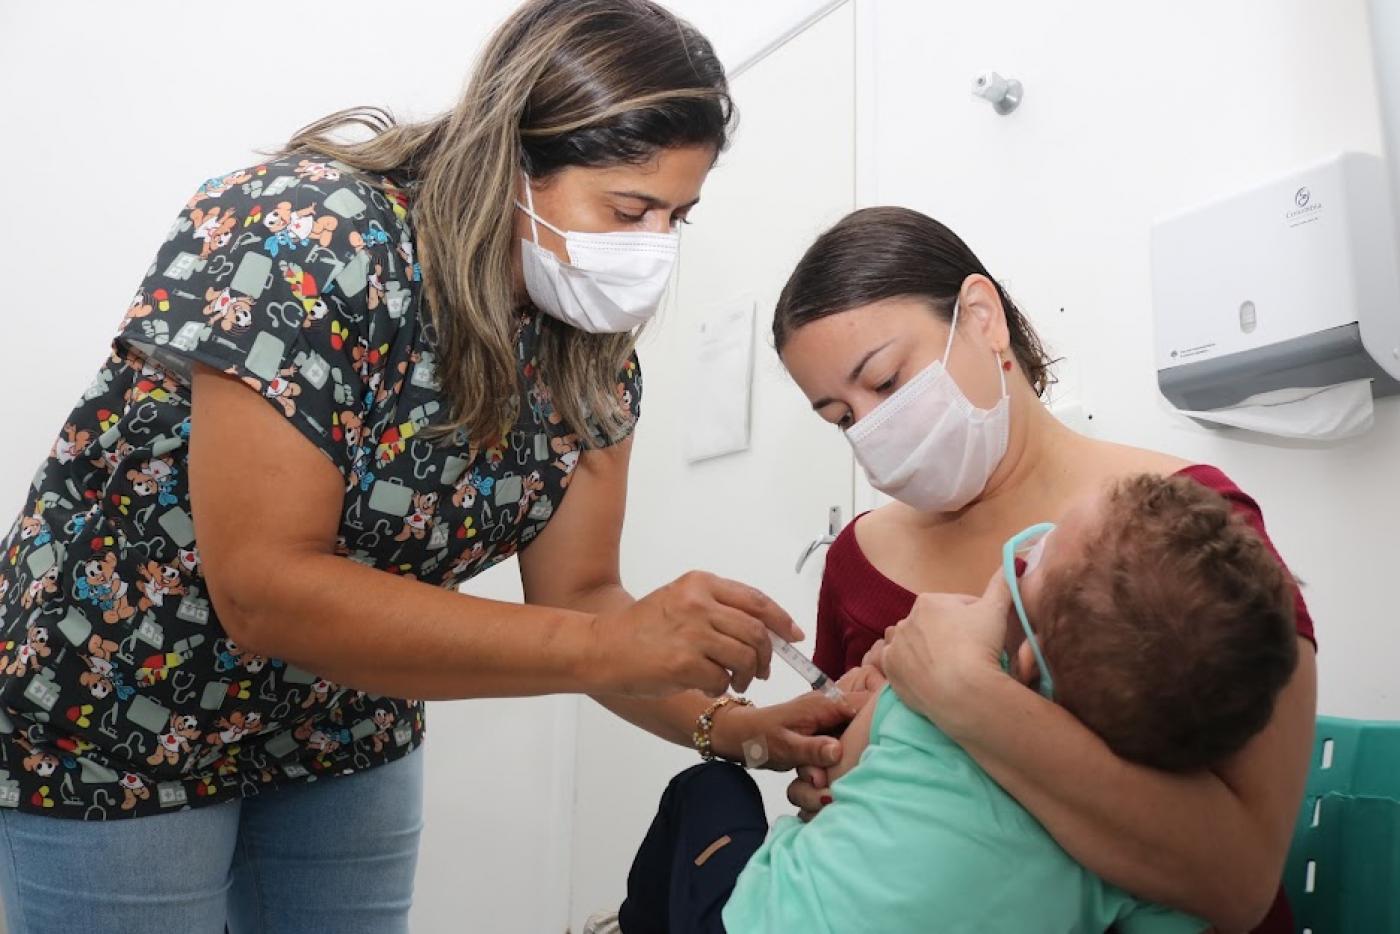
{"x": 889, "y": 252}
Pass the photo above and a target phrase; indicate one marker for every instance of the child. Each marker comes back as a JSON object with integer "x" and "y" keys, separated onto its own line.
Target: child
{"x": 1152, "y": 613}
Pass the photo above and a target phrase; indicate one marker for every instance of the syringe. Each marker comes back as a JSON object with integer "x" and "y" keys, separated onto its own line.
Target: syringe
{"x": 803, "y": 666}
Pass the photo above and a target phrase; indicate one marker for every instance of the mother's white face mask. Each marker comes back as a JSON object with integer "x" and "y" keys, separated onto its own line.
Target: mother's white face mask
{"x": 613, "y": 282}
{"x": 927, "y": 445}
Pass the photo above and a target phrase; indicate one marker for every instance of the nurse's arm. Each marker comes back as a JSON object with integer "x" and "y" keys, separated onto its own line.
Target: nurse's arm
{"x": 574, "y": 563}
{"x": 267, "y": 509}
{"x": 1211, "y": 844}
{"x": 267, "y": 506}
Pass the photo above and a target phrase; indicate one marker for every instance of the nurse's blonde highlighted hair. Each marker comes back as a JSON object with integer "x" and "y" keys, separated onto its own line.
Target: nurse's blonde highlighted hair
{"x": 560, "y": 83}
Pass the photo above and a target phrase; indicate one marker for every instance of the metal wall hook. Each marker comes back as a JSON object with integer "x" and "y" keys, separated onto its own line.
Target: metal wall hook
{"x": 833, "y": 527}
{"x": 1004, "y": 93}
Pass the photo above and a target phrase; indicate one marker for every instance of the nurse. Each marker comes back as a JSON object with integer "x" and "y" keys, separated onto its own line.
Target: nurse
{"x": 354, "y": 376}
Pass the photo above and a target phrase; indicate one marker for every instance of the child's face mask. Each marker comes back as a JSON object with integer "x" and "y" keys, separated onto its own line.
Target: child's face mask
{"x": 1027, "y": 549}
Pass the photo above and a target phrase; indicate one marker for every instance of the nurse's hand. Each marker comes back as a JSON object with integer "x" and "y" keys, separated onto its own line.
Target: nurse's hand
{"x": 698, "y": 632}
{"x": 946, "y": 639}
{"x": 794, "y": 733}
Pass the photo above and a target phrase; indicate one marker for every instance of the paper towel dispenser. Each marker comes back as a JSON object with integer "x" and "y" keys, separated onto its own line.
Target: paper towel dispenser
{"x": 1293, "y": 284}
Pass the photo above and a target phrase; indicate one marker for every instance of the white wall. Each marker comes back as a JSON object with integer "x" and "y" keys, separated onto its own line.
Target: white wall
{"x": 1133, "y": 111}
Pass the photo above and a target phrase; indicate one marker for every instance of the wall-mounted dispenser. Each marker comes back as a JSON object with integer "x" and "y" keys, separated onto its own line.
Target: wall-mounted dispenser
{"x": 1278, "y": 310}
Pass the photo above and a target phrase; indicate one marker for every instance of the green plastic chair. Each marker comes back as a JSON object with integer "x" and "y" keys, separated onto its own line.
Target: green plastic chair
{"x": 1343, "y": 871}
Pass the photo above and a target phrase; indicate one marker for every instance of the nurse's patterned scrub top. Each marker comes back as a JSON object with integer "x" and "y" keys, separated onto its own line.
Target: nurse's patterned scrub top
{"x": 120, "y": 693}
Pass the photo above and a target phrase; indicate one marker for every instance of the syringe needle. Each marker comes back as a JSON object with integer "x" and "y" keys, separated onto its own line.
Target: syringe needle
{"x": 804, "y": 666}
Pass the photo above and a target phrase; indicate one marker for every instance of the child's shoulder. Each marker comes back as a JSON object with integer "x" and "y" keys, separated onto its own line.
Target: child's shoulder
{"x": 897, "y": 726}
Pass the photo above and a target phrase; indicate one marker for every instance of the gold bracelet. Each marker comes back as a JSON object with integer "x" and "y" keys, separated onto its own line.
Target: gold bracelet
{"x": 706, "y": 721}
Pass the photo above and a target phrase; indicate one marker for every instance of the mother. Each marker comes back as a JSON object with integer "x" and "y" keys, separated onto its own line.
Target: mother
{"x": 945, "y": 416}
{"x": 356, "y": 375}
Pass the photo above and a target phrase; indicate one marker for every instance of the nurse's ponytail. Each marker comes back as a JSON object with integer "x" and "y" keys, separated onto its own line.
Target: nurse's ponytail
{"x": 560, "y": 83}
{"x": 890, "y": 252}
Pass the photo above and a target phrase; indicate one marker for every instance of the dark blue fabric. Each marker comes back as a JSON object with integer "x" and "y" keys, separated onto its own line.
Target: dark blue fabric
{"x": 666, "y": 892}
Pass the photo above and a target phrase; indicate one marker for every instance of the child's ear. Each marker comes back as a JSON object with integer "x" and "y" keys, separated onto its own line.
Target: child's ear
{"x": 1024, "y": 666}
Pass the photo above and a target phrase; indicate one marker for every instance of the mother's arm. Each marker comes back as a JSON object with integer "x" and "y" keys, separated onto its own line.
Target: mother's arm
{"x": 1212, "y": 844}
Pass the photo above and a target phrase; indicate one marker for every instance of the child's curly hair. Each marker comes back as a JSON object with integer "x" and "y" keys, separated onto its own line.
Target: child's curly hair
{"x": 1173, "y": 634}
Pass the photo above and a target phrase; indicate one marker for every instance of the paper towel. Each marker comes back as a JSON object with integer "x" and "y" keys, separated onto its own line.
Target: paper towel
{"x": 721, "y": 378}
{"x": 1326, "y": 413}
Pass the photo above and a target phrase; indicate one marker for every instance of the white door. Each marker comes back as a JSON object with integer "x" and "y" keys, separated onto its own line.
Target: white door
{"x": 788, "y": 176}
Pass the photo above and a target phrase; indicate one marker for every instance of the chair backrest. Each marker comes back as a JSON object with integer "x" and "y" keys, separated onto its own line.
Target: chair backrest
{"x": 1343, "y": 871}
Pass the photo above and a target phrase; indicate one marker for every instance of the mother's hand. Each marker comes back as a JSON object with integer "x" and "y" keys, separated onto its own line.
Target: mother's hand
{"x": 946, "y": 638}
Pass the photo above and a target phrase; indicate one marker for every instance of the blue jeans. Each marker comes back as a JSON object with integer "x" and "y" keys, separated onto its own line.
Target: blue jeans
{"x": 336, "y": 855}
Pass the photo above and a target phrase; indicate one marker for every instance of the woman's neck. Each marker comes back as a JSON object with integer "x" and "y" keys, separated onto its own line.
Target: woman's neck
{"x": 1041, "y": 463}
{"x": 1036, "y": 478}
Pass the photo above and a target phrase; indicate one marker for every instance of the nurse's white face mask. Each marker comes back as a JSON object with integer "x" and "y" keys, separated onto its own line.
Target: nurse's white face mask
{"x": 927, "y": 445}
{"x": 613, "y": 282}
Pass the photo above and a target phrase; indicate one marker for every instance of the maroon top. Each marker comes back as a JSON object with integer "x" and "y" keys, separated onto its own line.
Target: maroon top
{"x": 858, "y": 603}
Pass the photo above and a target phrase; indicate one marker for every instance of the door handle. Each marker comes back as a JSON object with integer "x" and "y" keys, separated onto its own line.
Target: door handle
{"x": 833, "y": 526}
